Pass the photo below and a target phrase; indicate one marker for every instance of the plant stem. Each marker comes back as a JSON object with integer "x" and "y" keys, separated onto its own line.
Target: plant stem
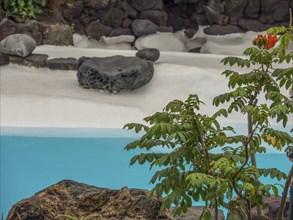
{"x": 284, "y": 195}
{"x": 253, "y": 158}
{"x": 216, "y": 211}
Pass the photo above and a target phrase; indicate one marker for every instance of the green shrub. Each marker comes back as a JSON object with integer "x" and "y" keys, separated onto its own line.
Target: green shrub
{"x": 24, "y": 8}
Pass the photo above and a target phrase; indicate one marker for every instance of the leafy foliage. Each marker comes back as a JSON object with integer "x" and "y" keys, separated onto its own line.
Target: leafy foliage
{"x": 24, "y": 8}
{"x": 188, "y": 170}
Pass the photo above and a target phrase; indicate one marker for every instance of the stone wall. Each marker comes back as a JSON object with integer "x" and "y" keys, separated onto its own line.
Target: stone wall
{"x": 97, "y": 18}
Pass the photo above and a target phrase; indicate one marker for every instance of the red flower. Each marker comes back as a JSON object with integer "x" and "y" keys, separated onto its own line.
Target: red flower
{"x": 271, "y": 41}
{"x": 266, "y": 41}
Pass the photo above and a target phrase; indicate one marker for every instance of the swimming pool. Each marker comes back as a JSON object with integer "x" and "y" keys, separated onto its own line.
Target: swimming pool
{"x": 30, "y": 164}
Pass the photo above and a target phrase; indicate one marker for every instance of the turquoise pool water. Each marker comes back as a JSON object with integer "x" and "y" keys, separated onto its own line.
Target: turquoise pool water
{"x": 29, "y": 164}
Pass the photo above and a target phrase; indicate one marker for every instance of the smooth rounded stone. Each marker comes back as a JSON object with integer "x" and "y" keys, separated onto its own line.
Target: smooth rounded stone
{"x": 118, "y": 39}
{"x": 222, "y": 29}
{"x": 160, "y": 41}
{"x": 62, "y": 63}
{"x": 230, "y": 44}
{"x": 83, "y": 41}
{"x": 33, "y": 60}
{"x": 4, "y": 59}
{"x": 114, "y": 74}
{"x": 141, "y": 27}
{"x": 18, "y": 44}
{"x": 151, "y": 54}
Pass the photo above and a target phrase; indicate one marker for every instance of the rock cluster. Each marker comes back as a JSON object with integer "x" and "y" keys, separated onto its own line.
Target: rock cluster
{"x": 97, "y": 18}
{"x": 69, "y": 197}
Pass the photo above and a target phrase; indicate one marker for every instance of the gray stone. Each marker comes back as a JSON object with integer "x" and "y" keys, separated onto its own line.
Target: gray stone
{"x": 281, "y": 11}
{"x": 147, "y": 5}
{"x": 215, "y": 17}
{"x": 114, "y": 17}
{"x": 97, "y": 4}
{"x": 96, "y": 30}
{"x": 56, "y": 34}
{"x": 156, "y": 16}
{"x": 151, "y": 54}
{"x": 33, "y": 60}
{"x": 141, "y": 27}
{"x": 120, "y": 31}
{"x": 32, "y": 29}
{"x": 4, "y": 59}
{"x": 251, "y": 25}
{"x": 175, "y": 22}
{"x": 222, "y": 30}
{"x": 252, "y": 9}
{"x": 7, "y": 28}
{"x": 130, "y": 11}
{"x": 18, "y": 44}
{"x": 114, "y": 74}
{"x": 62, "y": 64}
{"x": 235, "y": 9}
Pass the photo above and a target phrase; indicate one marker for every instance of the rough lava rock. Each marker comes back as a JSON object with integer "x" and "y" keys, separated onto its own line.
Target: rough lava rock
{"x": 82, "y": 200}
{"x": 33, "y": 60}
{"x": 18, "y": 44}
{"x": 114, "y": 74}
{"x": 62, "y": 63}
{"x": 151, "y": 54}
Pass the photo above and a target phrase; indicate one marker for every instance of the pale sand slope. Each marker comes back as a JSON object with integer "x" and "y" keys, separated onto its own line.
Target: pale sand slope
{"x": 33, "y": 97}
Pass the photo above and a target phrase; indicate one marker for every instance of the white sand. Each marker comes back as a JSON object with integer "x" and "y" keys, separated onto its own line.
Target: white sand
{"x": 33, "y": 97}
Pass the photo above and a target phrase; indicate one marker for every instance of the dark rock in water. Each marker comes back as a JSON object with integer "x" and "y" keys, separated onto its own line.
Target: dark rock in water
{"x": 222, "y": 30}
{"x": 4, "y": 59}
{"x": 114, "y": 74}
{"x": 69, "y": 197}
{"x": 62, "y": 64}
{"x": 7, "y": 27}
{"x": 151, "y": 54}
{"x": 35, "y": 60}
{"x": 141, "y": 27}
{"x": 18, "y": 45}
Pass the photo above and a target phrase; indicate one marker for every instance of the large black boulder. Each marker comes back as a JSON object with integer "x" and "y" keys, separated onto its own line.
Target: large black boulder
{"x": 114, "y": 74}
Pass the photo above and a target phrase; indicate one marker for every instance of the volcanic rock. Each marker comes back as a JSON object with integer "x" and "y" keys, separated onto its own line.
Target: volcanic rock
{"x": 114, "y": 74}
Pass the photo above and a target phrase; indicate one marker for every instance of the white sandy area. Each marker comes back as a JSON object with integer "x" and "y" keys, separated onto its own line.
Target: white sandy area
{"x": 32, "y": 97}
